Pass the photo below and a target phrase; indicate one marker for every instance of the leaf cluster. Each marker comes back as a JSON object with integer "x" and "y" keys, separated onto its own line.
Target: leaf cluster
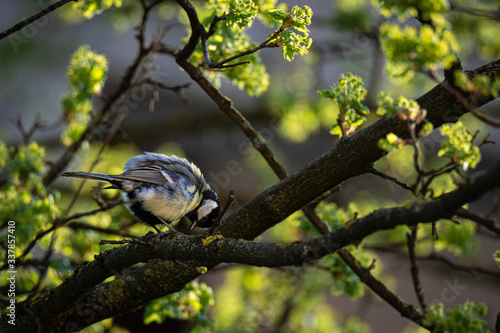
{"x": 348, "y": 94}
{"x": 293, "y": 43}
{"x": 465, "y": 318}
{"x": 410, "y": 49}
{"x": 23, "y": 196}
{"x": 87, "y": 73}
{"x": 459, "y": 146}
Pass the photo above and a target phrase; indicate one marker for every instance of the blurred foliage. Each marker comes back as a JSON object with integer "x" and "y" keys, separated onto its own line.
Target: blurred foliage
{"x": 426, "y": 8}
{"x": 191, "y": 303}
{"x": 353, "y": 15}
{"x": 457, "y": 237}
{"x": 25, "y": 201}
{"x": 298, "y": 113}
{"x": 464, "y": 318}
{"x": 95, "y": 7}
{"x": 480, "y": 85}
{"x": 253, "y": 299}
{"x": 404, "y": 48}
{"x": 23, "y": 197}
{"x": 87, "y": 73}
{"x": 496, "y": 257}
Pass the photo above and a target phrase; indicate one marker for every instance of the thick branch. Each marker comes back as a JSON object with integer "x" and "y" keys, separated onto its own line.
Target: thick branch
{"x": 210, "y": 253}
{"x": 351, "y": 157}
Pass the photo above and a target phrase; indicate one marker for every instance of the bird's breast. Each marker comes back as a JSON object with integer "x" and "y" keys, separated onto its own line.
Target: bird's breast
{"x": 169, "y": 202}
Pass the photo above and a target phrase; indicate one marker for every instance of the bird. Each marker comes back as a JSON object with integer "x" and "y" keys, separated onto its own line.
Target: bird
{"x": 160, "y": 189}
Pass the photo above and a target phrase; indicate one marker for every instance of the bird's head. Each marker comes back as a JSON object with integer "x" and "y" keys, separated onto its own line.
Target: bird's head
{"x": 207, "y": 211}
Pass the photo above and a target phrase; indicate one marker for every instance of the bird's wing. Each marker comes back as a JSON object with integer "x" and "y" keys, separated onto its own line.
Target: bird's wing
{"x": 146, "y": 175}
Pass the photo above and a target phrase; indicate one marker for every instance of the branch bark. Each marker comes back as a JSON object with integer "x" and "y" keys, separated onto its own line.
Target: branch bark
{"x": 145, "y": 283}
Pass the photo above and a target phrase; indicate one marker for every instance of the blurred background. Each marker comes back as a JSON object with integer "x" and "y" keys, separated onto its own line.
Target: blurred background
{"x": 294, "y": 120}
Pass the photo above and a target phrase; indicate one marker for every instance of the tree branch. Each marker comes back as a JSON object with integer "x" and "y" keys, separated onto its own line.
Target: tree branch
{"x": 33, "y": 18}
{"x": 226, "y": 106}
{"x": 209, "y": 253}
{"x": 351, "y": 157}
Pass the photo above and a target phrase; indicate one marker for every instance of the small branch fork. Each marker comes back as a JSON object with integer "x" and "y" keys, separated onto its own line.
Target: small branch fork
{"x": 199, "y": 33}
{"x": 221, "y": 64}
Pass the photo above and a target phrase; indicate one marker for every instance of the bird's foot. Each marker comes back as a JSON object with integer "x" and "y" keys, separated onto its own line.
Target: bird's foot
{"x": 162, "y": 234}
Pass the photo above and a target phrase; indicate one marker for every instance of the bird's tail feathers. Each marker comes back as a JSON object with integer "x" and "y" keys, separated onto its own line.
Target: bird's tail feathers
{"x": 94, "y": 176}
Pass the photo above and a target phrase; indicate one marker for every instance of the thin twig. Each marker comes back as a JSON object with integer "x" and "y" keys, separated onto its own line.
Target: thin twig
{"x": 391, "y": 179}
{"x": 28, "y": 134}
{"x": 264, "y": 44}
{"x": 494, "y": 15}
{"x": 411, "y": 239}
{"x": 405, "y": 309}
{"x": 485, "y": 222}
{"x": 83, "y": 226}
{"x": 460, "y": 267}
{"x": 442, "y": 259}
{"x": 215, "y": 20}
{"x": 463, "y": 100}
{"x": 60, "y": 222}
{"x": 33, "y": 18}
{"x": 229, "y": 203}
{"x": 178, "y": 90}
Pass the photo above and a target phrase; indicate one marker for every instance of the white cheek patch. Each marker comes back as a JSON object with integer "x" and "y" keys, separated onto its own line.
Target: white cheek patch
{"x": 206, "y": 208}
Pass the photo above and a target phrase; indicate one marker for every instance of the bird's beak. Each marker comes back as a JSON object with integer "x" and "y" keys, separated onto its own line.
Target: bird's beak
{"x": 195, "y": 223}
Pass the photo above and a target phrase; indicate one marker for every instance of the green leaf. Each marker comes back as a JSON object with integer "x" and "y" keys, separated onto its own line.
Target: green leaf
{"x": 277, "y": 14}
